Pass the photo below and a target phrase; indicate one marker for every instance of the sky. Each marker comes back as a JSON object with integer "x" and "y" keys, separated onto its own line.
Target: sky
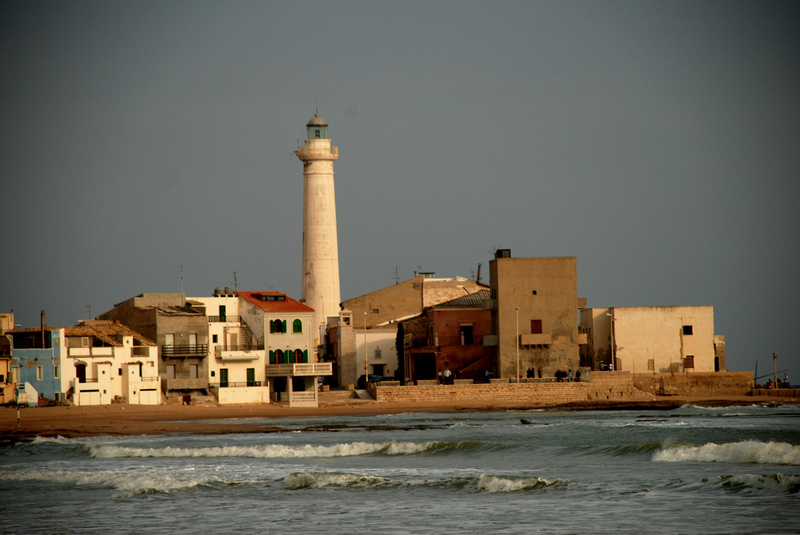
{"x": 148, "y": 147}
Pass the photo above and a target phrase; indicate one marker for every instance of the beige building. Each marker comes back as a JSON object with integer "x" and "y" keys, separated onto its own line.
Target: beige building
{"x": 364, "y": 337}
{"x": 652, "y": 339}
{"x": 534, "y": 304}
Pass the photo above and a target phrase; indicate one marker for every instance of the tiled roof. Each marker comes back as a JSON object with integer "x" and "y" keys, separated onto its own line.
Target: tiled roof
{"x": 274, "y": 302}
{"x": 472, "y": 300}
{"x": 106, "y": 330}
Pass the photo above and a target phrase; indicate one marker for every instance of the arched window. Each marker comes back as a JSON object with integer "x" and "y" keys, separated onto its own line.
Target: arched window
{"x": 279, "y": 356}
{"x": 297, "y": 326}
{"x": 298, "y": 356}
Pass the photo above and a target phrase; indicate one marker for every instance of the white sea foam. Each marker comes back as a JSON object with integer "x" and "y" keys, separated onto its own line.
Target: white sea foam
{"x": 316, "y": 480}
{"x": 746, "y": 452}
{"x": 269, "y": 451}
{"x": 517, "y": 484}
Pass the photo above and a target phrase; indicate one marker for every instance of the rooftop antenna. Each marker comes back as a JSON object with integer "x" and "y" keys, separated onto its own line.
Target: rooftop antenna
{"x": 396, "y": 275}
{"x": 181, "y": 266}
{"x": 235, "y": 282}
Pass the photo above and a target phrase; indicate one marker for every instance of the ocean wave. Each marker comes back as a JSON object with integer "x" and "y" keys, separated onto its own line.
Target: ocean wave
{"x": 128, "y": 484}
{"x": 746, "y": 482}
{"x": 480, "y": 483}
{"x": 745, "y": 452}
{"x": 317, "y": 480}
{"x": 280, "y": 451}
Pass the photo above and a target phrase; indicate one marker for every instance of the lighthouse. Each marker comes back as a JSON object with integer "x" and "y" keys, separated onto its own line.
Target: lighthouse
{"x": 320, "y": 243}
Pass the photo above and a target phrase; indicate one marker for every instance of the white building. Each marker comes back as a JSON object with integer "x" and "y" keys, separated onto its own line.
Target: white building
{"x": 286, "y": 330}
{"x": 105, "y": 362}
{"x": 236, "y": 360}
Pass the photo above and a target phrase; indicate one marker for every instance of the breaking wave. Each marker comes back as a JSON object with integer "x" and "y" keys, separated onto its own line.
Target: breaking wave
{"x": 280, "y": 451}
{"x": 127, "y": 484}
{"x": 745, "y": 452}
{"x": 481, "y": 483}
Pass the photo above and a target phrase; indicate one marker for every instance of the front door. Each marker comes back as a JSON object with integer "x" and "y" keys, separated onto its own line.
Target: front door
{"x": 251, "y": 376}
{"x": 223, "y": 377}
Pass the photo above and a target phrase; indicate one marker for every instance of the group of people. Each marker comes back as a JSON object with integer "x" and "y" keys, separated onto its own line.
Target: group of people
{"x": 531, "y": 373}
{"x": 568, "y": 376}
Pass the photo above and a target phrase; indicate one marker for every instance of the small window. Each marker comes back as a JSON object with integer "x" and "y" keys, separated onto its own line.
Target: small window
{"x": 214, "y": 338}
{"x": 533, "y": 292}
{"x": 466, "y": 335}
{"x": 376, "y": 311}
{"x": 56, "y": 373}
{"x": 39, "y": 372}
{"x": 119, "y": 371}
{"x": 687, "y": 329}
{"x": 688, "y": 362}
{"x": 297, "y": 326}
{"x": 536, "y": 326}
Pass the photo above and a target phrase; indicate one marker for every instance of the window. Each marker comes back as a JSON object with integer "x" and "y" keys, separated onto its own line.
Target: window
{"x": 536, "y": 326}
{"x": 297, "y": 326}
{"x": 56, "y": 372}
{"x": 214, "y": 338}
{"x": 688, "y": 362}
{"x": 651, "y": 365}
{"x": 533, "y": 292}
{"x": 466, "y": 335}
{"x": 169, "y": 339}
{"x": 687, "y": 329}
{"x": 119, "y": 371}
{"x": 298, "y": 356}
{"x": 171, "y": 371}
{"x": 39, "y": 372}
{"x": 376, "y": 311}
{"x": 277, "y": 326}
{"x": 377, "y": 353}
{"x": 192, "y": 371}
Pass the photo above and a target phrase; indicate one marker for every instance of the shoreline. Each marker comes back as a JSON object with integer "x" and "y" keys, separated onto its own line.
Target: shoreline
{"x": 131, "y": 420}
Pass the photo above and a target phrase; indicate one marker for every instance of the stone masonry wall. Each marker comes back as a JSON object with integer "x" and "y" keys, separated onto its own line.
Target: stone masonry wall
{"x": 688, "y": 384}
{"x": 503, "y": 392}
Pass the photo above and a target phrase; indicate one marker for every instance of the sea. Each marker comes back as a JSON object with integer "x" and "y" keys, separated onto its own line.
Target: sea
{"x": 694, "y": 470}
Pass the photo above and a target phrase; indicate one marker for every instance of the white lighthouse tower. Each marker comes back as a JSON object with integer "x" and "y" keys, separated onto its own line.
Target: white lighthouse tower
{"x": 320, "y": 243}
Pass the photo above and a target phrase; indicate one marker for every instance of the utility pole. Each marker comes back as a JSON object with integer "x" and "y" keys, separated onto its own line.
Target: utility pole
{"x": 775, "y": 368}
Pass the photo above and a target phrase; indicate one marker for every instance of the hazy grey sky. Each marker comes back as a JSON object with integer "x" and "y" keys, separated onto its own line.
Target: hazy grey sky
{"x": 659, "y": 142}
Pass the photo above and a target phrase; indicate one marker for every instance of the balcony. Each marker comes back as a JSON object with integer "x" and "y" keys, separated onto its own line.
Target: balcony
{"x": 542, "y": 339}
{"x": 184, "y": 350}
{"x": 223, "y": 319}
{"x": 243, "y": 352}
{"x": 238, "y": 384}
{"x": 297, "y": 370}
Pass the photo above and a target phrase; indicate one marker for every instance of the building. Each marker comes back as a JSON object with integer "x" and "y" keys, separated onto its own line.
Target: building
{"x": 286, "y": 330}
{"x": 106, "y": 362}
{"x": 236, "y": 360}
{"x": 363, "y": 340}
{"x": 534, "y": 304}
{"x": 36, "y": 364}
{"x": 179, "y": 328}
{"x": 7, "y": 394}
{"x": 652, "y": 339}
{"x": 320, "y": 241}
{"x": 449, "y": 336}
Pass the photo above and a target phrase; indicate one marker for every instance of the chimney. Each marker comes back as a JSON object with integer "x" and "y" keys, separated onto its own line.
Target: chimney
{"x": 44, "y": 329}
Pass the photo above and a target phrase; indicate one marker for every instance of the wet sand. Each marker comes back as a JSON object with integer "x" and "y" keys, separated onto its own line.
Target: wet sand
{"x": 70, "y": 421}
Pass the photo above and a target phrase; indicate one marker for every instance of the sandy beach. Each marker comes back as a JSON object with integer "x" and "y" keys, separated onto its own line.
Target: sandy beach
{"x": 71, "y": 421}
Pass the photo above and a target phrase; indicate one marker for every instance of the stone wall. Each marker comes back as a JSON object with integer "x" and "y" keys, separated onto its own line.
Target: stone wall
{"x": 615, "y": 386}
{"x": 695, "y": 384}
{"x": 494, "y": 392}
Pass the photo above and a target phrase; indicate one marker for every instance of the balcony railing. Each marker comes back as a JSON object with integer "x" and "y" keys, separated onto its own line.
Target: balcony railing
{"x": 184, "y": 350}
{"x": 239, "y": 384}
{"x": 319, "y": 368}
{"x": 223, "y": 319}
